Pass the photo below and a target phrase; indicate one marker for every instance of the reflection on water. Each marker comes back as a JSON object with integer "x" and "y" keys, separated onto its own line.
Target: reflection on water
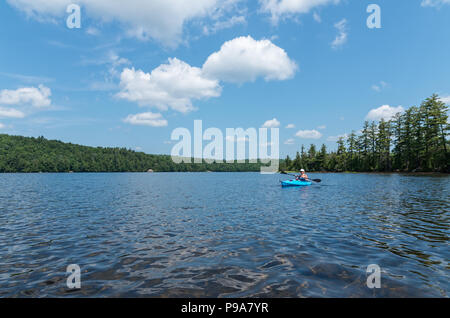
{"x": 223, "y": 235}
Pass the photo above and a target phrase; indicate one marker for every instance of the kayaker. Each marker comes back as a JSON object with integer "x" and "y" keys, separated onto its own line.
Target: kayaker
{"x": 303, "y": 175}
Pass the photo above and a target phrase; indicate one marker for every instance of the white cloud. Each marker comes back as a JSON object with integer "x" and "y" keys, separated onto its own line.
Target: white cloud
{"x": 322, "y": 127}
{"x": 11, "y": 113}
{"x": 385, "y": 112}
{"x": 336, "y": 138}
{"x": 281, "y": 8}
{"x": 378, "y": 87}
{"x": 111, "y": 59}
{"x": 172, "y": 85}
{"x": 226, "y": 24}
{"x": 37, "y": 97}
{"x": 273, "y": 123}
{"x": 162, "y": 20}
{"x": 114, "y": 63}
{"x": 445, "y": 99}
{"x": 434, "y": 3}
{"x": 289, "y": 142}
{"x": 290, "y": 126}
{"x": 146, "y": 119}
{"x": 309, "y": 134}
{"x": 2, "y": 126}
{"x": 177, "y": 84}
{"x": 244, "y": 59}
{"x": 342, "y": 35}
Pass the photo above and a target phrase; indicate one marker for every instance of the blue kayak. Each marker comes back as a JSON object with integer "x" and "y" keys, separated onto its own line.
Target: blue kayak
{"x": 295, "y": 183}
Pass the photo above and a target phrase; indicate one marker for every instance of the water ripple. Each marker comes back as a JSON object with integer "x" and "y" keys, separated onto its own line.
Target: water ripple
{"x": 223, "y": 235}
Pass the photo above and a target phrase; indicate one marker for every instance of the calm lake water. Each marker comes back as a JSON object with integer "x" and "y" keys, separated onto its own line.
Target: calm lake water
{"x": 223, "y": 235}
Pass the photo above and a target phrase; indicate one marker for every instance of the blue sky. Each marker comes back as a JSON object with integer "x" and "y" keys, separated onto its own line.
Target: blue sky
{"x": 131, "y": 75}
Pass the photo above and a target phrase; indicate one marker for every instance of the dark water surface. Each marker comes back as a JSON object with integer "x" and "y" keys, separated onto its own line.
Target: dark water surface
{"x": 223, "y": 235}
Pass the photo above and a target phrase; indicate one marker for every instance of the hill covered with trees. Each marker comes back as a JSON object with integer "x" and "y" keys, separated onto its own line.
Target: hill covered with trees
{"x": 416, "y": 140}
{"x": 25, "y": 154}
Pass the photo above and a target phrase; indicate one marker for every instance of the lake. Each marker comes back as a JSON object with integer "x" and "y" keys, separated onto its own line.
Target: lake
{"x": 223, "y": 235}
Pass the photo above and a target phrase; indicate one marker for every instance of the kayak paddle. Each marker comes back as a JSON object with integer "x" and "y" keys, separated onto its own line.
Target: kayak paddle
{"x": 289, "y": 174}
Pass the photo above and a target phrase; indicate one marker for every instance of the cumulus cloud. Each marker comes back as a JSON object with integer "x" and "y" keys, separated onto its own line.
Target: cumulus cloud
{"x": 336, "y": 138}
{"x": 342, "y": 36}
{"x": 290, "y": 126}
{"x": 146, "y": 119}
{"x": 244, "y": 59}
{"x": 445, "y": 99}
{"x": 37, "y": 97}
{"x": 11, "y": 113}
{"x": 309, "y": 134}
{"x": 22, "y": 101}
{"x": 290, "y": 141}
{"x": 281, "y": 8}
{"x": 385, "y": 112}
{"x": 2, "y": 126}
{"x": 176, "y": 85}
{"x": 162, "y": 20}
{"x": 273, "y": 123}
{"x": 173, "y": 85}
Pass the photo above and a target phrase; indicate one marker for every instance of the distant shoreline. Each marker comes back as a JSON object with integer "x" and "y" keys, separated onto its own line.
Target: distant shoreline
{"x": 378, "y": 172}
{"x": 197, "y": 172}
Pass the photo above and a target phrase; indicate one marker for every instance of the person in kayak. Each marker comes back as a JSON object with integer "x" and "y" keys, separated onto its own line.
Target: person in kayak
{"x": 303, "y": 176}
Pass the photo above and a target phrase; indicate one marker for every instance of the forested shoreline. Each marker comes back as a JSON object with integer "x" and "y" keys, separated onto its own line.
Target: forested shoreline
{"x": 28, "y": 154}
{"x": 413, "y": 141}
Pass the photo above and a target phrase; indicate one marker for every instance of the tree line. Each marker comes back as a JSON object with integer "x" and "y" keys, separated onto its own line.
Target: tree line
{"x": 415, "y": 140}
{"x": 28, "y": 154}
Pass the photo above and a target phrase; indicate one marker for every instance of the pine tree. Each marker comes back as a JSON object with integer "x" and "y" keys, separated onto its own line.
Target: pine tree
{"x": 322, "y": 158}
{"x": 352, "y": 151}
{"x": 383, "y": 146}
{"x": 297, "y": 164}
{"x": 288, "y": 163}
{"x": 372, "y": 135}
{"x": 341, "y": 155}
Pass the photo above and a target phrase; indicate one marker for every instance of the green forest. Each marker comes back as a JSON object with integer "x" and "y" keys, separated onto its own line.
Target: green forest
{"x": 25, "y": 154}
{"x": 413, "y": 141}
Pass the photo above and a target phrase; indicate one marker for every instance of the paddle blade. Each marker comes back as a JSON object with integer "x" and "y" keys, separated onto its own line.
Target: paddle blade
{"x": 317, "y": 180}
